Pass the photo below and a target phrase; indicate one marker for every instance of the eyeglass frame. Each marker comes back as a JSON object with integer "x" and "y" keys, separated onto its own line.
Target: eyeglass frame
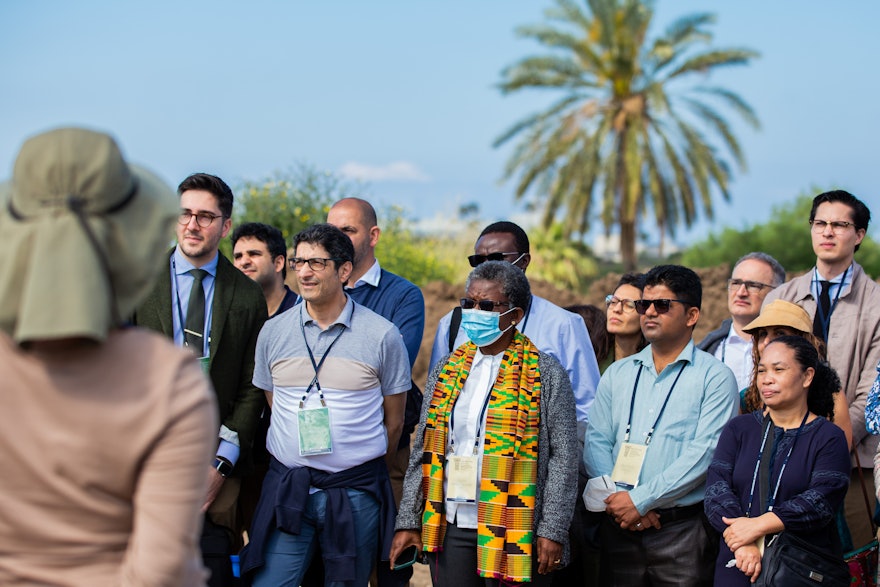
{"x": 627, "y": 306}
{"x": 322, "y": 261}
{"x": 473, "y": 259}
{"x": 198, "y": 216}
{"x": 838, "y": 227}
{"x": 753, "y": 287}
{"x": 661, "y": 305}
{"x": 482, "y": 304}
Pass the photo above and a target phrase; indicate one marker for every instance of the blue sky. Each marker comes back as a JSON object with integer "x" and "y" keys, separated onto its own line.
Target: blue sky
{"x": 403, "y": 93}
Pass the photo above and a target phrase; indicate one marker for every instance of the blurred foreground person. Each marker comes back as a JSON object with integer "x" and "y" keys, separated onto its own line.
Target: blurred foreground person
{"x": 105, "y": 429}
{"x": 490, "y": 488}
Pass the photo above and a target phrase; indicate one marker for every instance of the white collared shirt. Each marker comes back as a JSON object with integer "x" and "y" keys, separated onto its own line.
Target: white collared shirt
{"x": 484, "y": 371}
{"x": 371, "y": 277}
{"x": 736, "y": 352}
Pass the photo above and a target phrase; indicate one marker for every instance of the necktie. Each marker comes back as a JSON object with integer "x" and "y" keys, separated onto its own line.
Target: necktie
{"x": 193, "y": 333}
{"x": 823, "y": 311}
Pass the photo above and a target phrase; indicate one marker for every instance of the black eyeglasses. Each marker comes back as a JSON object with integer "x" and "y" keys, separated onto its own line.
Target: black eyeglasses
{"x": 485, "y": 305}
{"x": 751, "y": 286}
{"x": 837, "y": 226}
{"x": 661, "y": 306}
{"x": 315, "y": 263}
{"x": 625, "y": 305}
{"x": 203, "y": 219}
{"x": 475, "y": 260}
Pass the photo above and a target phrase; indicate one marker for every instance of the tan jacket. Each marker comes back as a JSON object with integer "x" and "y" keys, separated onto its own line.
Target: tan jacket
{"x": 853, "y": 344}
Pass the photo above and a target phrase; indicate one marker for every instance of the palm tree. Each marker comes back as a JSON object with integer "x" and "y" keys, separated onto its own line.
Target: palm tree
{"x": 627, "y": 124}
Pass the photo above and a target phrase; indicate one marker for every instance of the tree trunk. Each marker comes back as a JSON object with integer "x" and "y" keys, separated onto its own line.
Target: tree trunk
{"x": 628, "y": 245}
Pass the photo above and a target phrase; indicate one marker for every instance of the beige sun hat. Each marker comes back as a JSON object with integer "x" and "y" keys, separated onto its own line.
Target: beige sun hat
{"x": 84, "y": 234}
{"x": 781, "y": 313}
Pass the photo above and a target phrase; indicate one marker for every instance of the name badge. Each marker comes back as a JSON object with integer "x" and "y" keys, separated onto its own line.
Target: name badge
{"x": 461, "y": 479}
{"x": 629, "y": 464}
{"x": 205, "y": 364}
{"x": 314, "y": 432}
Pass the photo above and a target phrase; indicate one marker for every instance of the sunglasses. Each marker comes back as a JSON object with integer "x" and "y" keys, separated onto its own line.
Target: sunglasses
{"x": 485, "y": 305}
{"x": 661, "y": 306}
{"x": 475, "y": 260}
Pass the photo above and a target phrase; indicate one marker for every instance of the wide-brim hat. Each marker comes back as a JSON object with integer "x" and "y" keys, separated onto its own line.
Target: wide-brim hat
{"x": 781, "y": 313}
{"x": 84, "y": 234}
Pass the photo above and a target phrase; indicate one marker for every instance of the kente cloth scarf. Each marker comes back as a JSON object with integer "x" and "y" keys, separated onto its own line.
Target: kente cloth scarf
{"x": 506, "y": 508}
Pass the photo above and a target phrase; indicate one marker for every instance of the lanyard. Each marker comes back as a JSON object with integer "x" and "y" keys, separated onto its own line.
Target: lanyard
{"x": 526, "y": 319}
{"x": 316, "y": 365}
{"x": 825, "y": 321}
{"x": 768, "y": 424}
{"x": 632, "y": 403}
{"x": 205, "y": 339}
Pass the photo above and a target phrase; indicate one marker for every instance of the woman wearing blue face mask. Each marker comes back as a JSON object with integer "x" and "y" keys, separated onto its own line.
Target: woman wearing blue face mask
{"x": 490, "y": 488}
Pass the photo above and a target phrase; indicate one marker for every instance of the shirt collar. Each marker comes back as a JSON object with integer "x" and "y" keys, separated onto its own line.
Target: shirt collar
{"x": 182, "y": 264}
{"x": 646, "y": 356}
{"x": 344, "y": 317}
{"x": 734, "y": 336}
{"x": 371, "y": 277}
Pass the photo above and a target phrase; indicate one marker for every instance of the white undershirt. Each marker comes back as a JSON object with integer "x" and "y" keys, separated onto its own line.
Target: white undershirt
{"x": 484, "y": 371}
{"x": 736, "y": 352}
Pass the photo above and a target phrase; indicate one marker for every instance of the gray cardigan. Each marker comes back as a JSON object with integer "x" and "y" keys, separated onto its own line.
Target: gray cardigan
{"x": 557, "y": 457}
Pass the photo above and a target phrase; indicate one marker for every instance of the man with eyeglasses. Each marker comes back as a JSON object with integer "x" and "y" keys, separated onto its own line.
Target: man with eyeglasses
{"x": 204, "y": 303}
{"x": 654, "y": 425}
{"x": 843, "y": 302}
{"x": 336, "y": 375}
{"x": 557, "y": 332}
{"x": 754, "y": 276}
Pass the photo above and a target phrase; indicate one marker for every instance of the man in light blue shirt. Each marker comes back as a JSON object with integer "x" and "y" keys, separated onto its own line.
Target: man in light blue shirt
{"x": 666, "y": 404}
{"x": 555, "y": 331}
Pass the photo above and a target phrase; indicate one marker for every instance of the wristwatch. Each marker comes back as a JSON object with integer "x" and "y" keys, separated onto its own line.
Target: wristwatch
{"x": 223, "y": 466}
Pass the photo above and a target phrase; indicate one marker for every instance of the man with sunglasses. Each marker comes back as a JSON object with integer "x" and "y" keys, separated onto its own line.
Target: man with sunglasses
{"x": 843, "y": 302}
{"x": 754, "y": 276}
{"x": 654, "y": 425}
{"x": 335, "y": 374}
{"x": 557, "y": 332}
{"x": 204, "y": 303}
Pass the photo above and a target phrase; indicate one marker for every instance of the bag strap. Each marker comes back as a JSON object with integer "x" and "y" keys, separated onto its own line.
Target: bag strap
{"x": 865, "y": 492}
{"x": 454, "y": 325}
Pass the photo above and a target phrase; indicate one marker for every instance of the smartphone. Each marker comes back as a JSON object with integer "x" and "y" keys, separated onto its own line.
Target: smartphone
{"x": 407, "y": 558}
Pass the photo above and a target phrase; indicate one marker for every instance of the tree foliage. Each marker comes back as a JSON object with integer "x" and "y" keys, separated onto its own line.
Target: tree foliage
{"x": 301, "y": 196}
{"x": 418, "y": 258}
{"x": 293, "y": 199}
{"x": 564, "y": 262}
{"x": 786, "y": 236}
{"x": 627, "y": 128}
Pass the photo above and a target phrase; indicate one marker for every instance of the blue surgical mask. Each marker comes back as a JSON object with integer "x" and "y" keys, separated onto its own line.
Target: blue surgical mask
{"x": 482, "y": 327}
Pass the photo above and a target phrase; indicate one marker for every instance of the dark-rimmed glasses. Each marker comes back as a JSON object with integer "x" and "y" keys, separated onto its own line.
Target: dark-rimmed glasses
{"x": 203, "y": 219}
{"x": 315, "y": 263}
{"x": 837, "y": 226}
{"x": 661, "y": 306}
{"x": 627, "y": 306}
{"x": 753, "y": 287}
{"x": 475, "y": 260}
{"x": 485, "y": 305}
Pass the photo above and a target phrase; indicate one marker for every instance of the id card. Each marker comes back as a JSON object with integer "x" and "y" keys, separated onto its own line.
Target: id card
{"x": 629, "y": 464}
{"x": 205, "y": 364}
{"x": 314, "y": 432}
{"x": 461, "y": 479}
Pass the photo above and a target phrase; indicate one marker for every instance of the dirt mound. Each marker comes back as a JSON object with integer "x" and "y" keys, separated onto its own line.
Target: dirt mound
{"x": 441, "y": 297}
